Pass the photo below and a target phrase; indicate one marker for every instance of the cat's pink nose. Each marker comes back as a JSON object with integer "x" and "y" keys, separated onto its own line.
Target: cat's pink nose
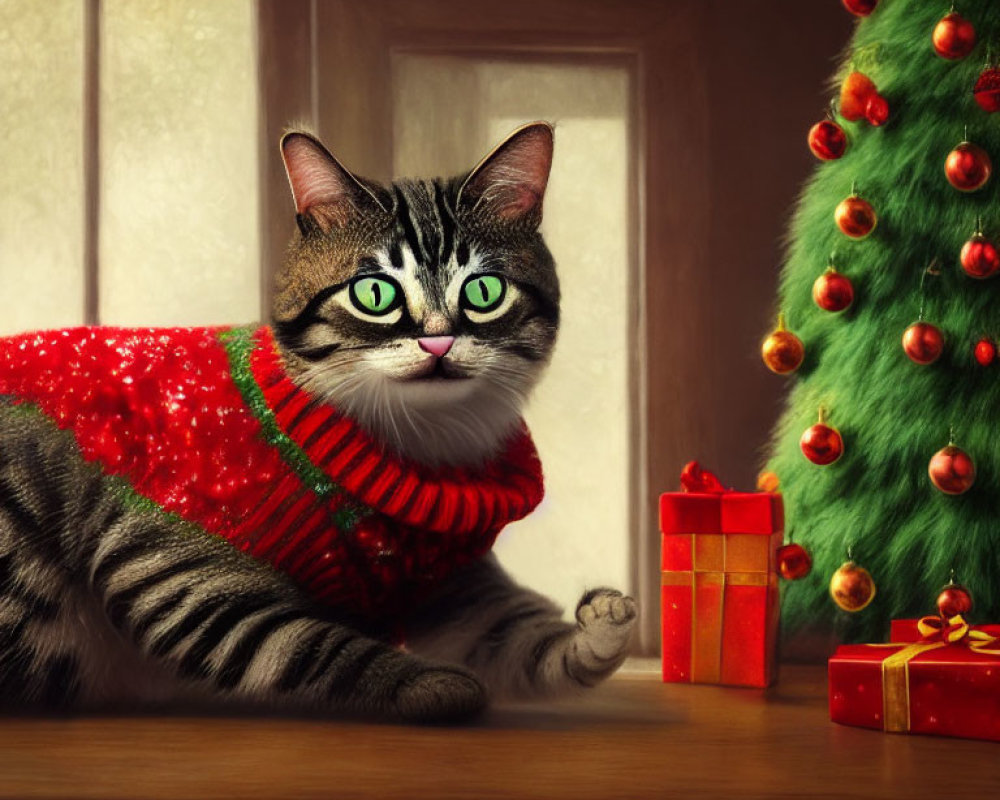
{"x": 436, "y": 345}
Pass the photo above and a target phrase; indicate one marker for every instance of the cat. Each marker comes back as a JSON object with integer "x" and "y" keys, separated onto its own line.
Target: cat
{"x": 299, "y": 516}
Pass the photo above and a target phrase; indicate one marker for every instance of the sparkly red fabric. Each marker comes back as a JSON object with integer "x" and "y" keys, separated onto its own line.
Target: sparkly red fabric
{"x": 165, "y": 410}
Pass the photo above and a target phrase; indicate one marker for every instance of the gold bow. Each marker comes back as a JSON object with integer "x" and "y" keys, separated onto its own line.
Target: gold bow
{"x": 954, "y": 630}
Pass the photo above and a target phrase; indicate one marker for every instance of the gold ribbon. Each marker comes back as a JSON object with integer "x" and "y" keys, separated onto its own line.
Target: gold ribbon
{"x": 935, "y": 633}
{"x": 671, "y": 577}
{"x": 710, "y": 571}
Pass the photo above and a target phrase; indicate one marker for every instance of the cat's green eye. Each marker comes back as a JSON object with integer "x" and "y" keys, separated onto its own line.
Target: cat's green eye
{"x": 484, "y": 292}
{"x": 376, "y": 295}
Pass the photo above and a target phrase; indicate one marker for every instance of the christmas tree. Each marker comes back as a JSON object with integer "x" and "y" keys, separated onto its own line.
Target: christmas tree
{"x": 890, "y": 288}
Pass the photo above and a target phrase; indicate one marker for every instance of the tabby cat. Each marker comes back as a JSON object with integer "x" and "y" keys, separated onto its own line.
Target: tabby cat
{"x": 300, "y": 515}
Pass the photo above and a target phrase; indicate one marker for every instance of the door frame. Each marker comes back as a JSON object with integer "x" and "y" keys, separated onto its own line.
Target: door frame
{"x": 328, "y": 63}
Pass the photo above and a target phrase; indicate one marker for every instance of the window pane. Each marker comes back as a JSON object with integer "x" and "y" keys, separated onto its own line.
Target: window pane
{"x": 41, "y": 164}
{"x": 179, "y": 232}
{"x": 448, "y": 113}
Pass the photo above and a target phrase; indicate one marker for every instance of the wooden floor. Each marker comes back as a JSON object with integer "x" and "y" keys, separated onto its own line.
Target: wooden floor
{"x": 633, "y": 738}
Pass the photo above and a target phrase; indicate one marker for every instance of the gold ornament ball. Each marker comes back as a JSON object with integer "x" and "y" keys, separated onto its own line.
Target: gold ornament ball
{"x": 768, "y": 482}
{"x": 855, "y": 217}
{"x": 782, "y": 352}
{"x": 852, "y": 587}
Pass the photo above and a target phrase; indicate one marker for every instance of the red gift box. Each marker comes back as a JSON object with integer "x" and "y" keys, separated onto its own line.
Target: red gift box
{"x": 719, "y": 586}
{"x": 941, "y": 679}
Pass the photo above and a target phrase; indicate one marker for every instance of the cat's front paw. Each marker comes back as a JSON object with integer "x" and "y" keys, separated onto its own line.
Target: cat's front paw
{"x": 606, "y": 618}
{"x": 440, "y": 694}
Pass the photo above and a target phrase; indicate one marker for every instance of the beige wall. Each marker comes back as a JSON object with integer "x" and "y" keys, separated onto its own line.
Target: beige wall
{"x": 179, "y": 234}
{"x": 41, "y": 165}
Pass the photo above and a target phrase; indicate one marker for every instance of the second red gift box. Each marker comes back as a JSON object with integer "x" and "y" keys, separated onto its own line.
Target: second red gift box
{"x": 719, "y": 585}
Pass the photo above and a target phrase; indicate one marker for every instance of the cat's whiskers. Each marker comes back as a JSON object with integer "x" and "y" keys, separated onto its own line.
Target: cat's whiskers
{"x": 360, "y": 381}
{"x": 385, "y": 407}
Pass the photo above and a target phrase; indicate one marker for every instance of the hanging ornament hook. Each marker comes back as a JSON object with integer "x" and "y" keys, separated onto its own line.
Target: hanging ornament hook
{"x": 932, "y": 269}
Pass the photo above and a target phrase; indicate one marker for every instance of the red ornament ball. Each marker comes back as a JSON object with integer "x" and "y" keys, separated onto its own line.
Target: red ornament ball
{"x": 951, "y": 470}
{"x": 979, "y": 257}
{"x": 877, "y": 110}
{"x": 855, "y": 217}
{"x": 953, "y": 37}
{"x": 968, "y": 167}
{"x": 923, "y": 343}
{"x": 852, "y": 587}
{"x": 833, "y": 291}
{"x": 794, "y": 562}
{"x": 855, "y": 93}
{"x": 987, "y": 90}
{"x": 953, "y": 600}
{"x": 822, "y": 444}
{"x": 860, "y": 8}
{"x": 782, "y": 351}
{"x": 827, "y": 140}
{"x": 985, "y": 351}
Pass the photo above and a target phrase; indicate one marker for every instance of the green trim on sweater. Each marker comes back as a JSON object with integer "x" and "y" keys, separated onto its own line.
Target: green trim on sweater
{"x": 239, "y": 345}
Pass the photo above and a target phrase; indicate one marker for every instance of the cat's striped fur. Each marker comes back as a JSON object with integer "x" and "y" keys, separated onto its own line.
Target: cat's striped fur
{"x": 106, "y": 602}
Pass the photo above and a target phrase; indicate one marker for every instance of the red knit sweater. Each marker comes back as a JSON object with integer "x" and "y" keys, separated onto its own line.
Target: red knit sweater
{"x": 205, "y": 423}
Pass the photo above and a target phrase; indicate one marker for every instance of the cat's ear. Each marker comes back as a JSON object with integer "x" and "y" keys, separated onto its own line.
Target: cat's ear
{"x": 510, "y": 182}
{"x": 325, "y": 193}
